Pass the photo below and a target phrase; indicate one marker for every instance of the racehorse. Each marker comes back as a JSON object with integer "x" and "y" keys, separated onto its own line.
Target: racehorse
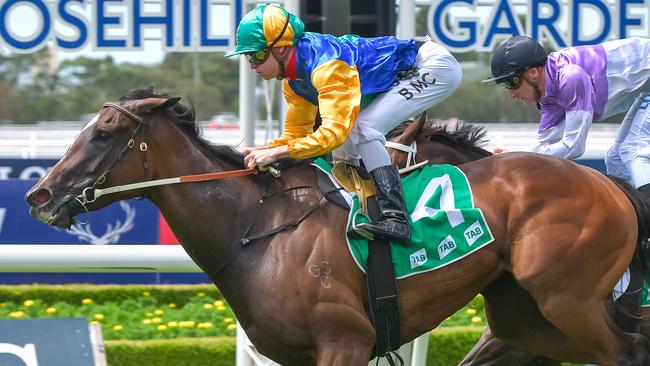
{"x": 412, "y": 143}
{"x": 275, "y": 246}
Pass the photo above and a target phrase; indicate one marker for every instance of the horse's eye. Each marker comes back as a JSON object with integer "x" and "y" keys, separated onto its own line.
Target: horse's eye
{"x": 101, "y": 136}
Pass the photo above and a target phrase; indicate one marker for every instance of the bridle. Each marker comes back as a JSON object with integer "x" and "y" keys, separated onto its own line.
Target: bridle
{"x": 412, "y": 150}
{"x": 92, "y": 193}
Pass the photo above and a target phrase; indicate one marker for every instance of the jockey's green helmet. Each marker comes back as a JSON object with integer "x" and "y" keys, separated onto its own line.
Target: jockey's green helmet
{"x": 514, "y": 56}
{"x": 265, "y": 27}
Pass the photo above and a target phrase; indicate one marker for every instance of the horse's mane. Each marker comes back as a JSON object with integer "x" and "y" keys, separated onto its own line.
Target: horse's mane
{"x": 464, "y": 135}
{"x": 184, "y": 117}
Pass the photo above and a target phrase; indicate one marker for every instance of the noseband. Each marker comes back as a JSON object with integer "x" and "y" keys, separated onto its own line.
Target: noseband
{"x": 412, "y": 150}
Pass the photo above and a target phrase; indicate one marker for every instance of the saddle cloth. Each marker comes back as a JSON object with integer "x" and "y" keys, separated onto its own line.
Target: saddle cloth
{"x": 445, "y": 225}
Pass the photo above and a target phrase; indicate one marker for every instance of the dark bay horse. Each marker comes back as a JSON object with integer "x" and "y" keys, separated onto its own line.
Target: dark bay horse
{"x": 275, "y": 247}
{"x": 425, "y": 141}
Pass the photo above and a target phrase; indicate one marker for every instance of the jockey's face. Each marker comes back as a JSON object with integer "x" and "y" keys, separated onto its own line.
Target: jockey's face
{"x": 531, "y": 87}
{"x": 270, "y": 68}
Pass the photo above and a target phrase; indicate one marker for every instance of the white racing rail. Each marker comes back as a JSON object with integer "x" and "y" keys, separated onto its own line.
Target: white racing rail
{"x": 145, "y": 258}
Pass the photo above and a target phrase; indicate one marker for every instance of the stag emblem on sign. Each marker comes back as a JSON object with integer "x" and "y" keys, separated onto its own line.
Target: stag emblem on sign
{"x": 112, "y": 234}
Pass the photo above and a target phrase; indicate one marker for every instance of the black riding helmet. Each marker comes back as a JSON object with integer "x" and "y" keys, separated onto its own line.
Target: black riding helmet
{"x": 514, "y": 55}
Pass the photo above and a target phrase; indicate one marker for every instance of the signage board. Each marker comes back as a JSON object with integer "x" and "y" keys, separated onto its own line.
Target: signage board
{"x": 45, "y": 342}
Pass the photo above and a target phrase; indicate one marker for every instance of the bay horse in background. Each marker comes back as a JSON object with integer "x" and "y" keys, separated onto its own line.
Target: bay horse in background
{"x": 412, "y": 143}
{"x": 275, "y": 247}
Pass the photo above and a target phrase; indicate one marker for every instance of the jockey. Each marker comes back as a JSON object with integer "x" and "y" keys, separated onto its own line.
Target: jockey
{"x": 362, "y": 87}
{"x": 578, "y": 85}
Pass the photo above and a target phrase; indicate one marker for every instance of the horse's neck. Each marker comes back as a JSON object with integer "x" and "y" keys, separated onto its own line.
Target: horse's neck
{"x": 208, "y": 218}
{"x": 440, "y": 153}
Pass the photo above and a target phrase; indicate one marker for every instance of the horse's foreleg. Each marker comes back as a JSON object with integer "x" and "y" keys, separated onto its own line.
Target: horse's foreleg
{"x": 342, "y": 353}
{"x": 343, "y": 335}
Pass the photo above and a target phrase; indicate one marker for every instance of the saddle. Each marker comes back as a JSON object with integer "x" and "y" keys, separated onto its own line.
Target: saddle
{"x": 349, "y": 177}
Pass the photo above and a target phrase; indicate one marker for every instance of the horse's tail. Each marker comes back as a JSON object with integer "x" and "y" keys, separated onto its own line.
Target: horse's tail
{"x": 629, "y": 302}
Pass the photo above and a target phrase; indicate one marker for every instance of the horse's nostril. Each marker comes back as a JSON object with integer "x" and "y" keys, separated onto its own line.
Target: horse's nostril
{"x": 39, "y": 197}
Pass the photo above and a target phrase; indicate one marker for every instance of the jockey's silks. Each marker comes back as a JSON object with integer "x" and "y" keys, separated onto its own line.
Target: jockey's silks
{"x": 589, "y": 83}
{"x": 333, "y": 73}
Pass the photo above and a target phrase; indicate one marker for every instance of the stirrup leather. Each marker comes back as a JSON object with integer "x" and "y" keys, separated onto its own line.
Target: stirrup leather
{"x": 349, "y": 178}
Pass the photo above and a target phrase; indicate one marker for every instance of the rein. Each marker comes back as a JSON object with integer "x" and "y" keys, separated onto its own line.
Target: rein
{"x": 410, "y": 159}
{"x": 90, "y": 194}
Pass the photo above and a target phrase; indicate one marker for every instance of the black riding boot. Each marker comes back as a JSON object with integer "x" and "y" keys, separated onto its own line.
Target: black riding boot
{"x": 393, "y": 222}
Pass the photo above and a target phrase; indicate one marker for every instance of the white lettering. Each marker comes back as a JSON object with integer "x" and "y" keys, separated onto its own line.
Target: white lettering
{"x": 32, "y": 172}
{"x": 3, "y": 214}
{"x": 27, "y": 354}
{"x": 446, "y": 202}
{"x": 5, "y": 171}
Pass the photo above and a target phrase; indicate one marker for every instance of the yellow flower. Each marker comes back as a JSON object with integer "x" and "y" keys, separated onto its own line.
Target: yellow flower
{"x": 204, "y": 325}
{"x": 162, "y": 327}
{"x": 218, "y": 303}
{"x": 172, "y": 305}
{"x": 99, "y": 316}
{"x": 221, "y": 308}
{"x": 156, "y": 320}
{"x": 118, "y": 327}
{"x": 29, "y": 303}
{"x": 149, "y": 314}
{"x": 87, "y": 301}
{"x": 146, "y": 321}
{"x": 470, "y": 311}
{"x": 228, "y": 320}
{"x": 187, "y": 324}
{"x": 172, "y": 324}
{"x": 476, "y": 319}
{"x": 146, "y": 293}
{"x": 159, "y": 312}
{"x": 50, "y": 310}
{"x": 200, "y": 294}
{"x": 231, "y": 327}
{"x": 17, "y": 314}
{"x": 208, "y": 306}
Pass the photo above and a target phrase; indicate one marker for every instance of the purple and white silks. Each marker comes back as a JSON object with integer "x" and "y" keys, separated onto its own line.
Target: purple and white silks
{"x": 589, "y": 83}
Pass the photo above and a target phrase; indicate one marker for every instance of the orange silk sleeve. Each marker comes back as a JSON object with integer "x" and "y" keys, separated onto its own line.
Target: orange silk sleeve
{"x": 339, "y": 100}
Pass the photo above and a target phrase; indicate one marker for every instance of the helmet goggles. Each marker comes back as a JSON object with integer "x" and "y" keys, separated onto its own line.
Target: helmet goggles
{"x": 259, "y": 57}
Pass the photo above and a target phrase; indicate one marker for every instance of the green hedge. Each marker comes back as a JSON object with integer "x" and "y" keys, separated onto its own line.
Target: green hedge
{"x": 446, "y": 347}
{"x": 218, "y": 351}
{"x": 178, "y": 294}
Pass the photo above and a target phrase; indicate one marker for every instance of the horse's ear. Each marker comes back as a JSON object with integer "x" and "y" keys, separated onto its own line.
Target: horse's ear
{"x": 170, "y": 102}
{"x": 413, "y": 130}
{"x": 143, "y": 106}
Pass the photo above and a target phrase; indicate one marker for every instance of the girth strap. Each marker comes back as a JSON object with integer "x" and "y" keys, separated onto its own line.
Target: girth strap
{"x": 382, "y": 292}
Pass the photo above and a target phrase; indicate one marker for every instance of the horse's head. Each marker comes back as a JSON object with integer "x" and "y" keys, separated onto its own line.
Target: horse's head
{"x": 411, "y": 143}
{"x": 401, "y": 141}
{"x": 110, "y": 150}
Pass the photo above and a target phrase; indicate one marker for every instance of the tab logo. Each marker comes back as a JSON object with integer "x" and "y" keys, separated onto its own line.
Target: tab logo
{"x": 446, "y": 246}
{"x": 473, "y": 233}
{"x": 419, "y": 258}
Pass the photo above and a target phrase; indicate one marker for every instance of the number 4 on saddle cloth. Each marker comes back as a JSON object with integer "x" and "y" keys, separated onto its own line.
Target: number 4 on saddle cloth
{"x": 445, "y": 225}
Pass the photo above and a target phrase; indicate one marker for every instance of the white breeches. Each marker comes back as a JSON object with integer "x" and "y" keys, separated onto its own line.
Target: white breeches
{"x": 438, "y": 76}
{"x": 629, "y": 157}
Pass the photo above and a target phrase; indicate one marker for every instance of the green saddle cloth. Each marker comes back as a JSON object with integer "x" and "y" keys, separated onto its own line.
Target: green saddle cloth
{"x": 445, "y": 225}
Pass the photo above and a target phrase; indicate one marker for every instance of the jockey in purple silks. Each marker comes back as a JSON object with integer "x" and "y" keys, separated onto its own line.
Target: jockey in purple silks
{"x": 576, "y": 86}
